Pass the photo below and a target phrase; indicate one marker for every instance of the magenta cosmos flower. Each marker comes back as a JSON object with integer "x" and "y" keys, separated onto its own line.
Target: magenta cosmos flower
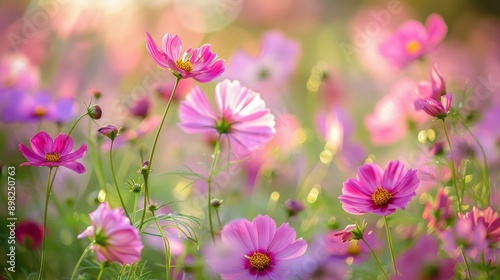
{"x": 257, "y": 250}
{"x": 114, "y": 238}
{"x": 412, "y": 40}
{"x": 45, "y": 152}
{"x": 379, "y": 191}
{"x": 242, "y": 115}
{"x": 199, "y": 63}
{"x": 432, "y": 96}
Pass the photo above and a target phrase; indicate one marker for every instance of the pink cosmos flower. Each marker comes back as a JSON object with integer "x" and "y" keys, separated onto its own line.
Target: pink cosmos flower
{"x": 478, "y": 232}
{"x": 257, "y": 250}
{"x": 432, "y": 95}
{"x": 379, "y": 191}
{"x": 199, "y": 63}
{"x": 422, "y": 262}
{"x": 394, "y": 114}
{"x": 439, "y": 214}
{"x": 340, "y": 248}
{"x": 53, "y": 153}
{"x": 115, "y": 239}
{"x": 412, "y": 40}
{"x": 242, "y": 115}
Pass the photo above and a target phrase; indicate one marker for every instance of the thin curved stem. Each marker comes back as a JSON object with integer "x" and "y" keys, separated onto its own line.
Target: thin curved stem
{"x": 466, "y": 263}
{"x": 114, "y": 180}
{"x": 376, "y": 260}
{"x": 101, "y": 272}
{"x": 453, "y": 172}
{"x": 391, "y": 249}
{"x": 215, "y": 157}
{"x": 485, "y": 170}
{"x": 150, "y": 161}
{"x": 166, "y": 245}
{"x": 47, "y": 196}
{"x": 80, "y": 261}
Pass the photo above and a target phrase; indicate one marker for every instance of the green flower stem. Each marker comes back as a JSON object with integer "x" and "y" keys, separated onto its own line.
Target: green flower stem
{"x": 101, "y": 272}
{"x": 466, "y": 263}
{"x": 453, "y": 172}
{"x": 485, "y": 170}
{"x": 150, "y": 161}
{"x": 114, "y": 179}
{"x": 80, "y": 261}
{"x": 376, "y": 259}
{"x": 166, "y": 245}
{"x": 218, "y": 217}
{"x": 215, "y": 157}
{"x": 47, "y": 196}
{"x": 391, "y": 249}
{"x": 122, "y": 271}
{"x": 136, "y": 201}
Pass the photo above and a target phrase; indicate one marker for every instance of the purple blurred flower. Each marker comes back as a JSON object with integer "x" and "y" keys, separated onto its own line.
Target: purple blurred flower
{"x": 140, "y": 107}
{"x": 199, "y": 63}
{"x": 22, "y": 107}
{"x": 271, "y": 69}
{"x": 46, "y": 152}
{"x": 422, "y": 262}
{"x": 257, "y": 250}
{"x": 294, "y": 207}
{"x": 379, "y": 191}
{"x": 242, "y": 115}
{"x": 114, "y": 238}
{"x": 337, "y": 130}
{"x": 412, "y": 40}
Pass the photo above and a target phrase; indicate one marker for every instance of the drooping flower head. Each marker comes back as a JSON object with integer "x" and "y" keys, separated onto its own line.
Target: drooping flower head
{"x": 422, "y": 262}
{"x": 412, "y": 40}
{"x": 433, "y": 98}
{"x": 242, "y": 115}
{"x": 257, "y": 250}
{"x": 53, "y": 153}
{"x": 200, "y": 64}
{"x": 379, "y": 191}
{"x": 115, "y": 239}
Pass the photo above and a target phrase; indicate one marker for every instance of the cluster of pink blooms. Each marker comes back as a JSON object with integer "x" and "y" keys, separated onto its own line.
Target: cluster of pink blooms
{"x": 259, "y": 249}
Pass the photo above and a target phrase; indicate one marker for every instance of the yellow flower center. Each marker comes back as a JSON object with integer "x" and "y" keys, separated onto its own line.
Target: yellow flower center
{"x": 52, "y": 157}
{"x": 353, "y": 248}
{"x": 184, "y": 65}
{"x": 381, "y": 196}
{"x": 39, "y": 111}
{"x": 259, "y": 261}
{"x": 413, "y": 47}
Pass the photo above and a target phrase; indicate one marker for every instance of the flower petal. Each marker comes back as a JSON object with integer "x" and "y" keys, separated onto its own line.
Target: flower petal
{"x": 63, "y": 144}
{"x": 41, "y": 143}
{"x": 30, "y": 155}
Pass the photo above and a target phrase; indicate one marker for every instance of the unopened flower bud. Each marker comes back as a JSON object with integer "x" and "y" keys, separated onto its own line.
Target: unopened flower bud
{"x": 95, "y": 93}
{"x": 144, "y": 168}
{"x": 216, "y": 202}
{"x": 94, "y": 112}
{"x": 109, "y": 131}
{"x": 293, "y": 207}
